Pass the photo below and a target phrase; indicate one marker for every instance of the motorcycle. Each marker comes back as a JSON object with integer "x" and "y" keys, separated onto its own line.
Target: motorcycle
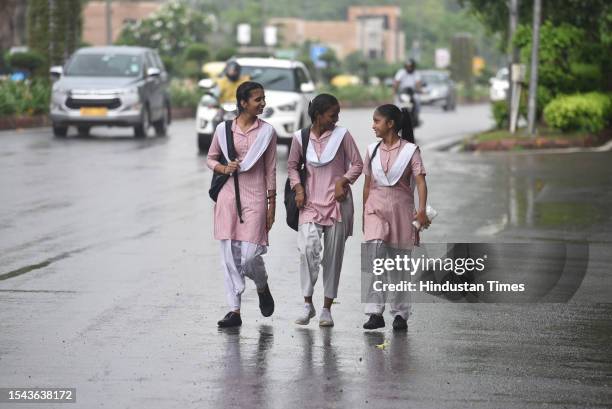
{"x": 407, "y": 98}
{"x": 211, "y": 113}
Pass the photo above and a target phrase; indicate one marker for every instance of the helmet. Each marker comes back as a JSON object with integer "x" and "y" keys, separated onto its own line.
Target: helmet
{"x": 410, "y": 63}
{"x": 232, "y": 70}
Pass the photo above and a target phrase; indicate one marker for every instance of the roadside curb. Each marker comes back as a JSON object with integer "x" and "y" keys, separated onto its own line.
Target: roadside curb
{"x": 603, "y": 148}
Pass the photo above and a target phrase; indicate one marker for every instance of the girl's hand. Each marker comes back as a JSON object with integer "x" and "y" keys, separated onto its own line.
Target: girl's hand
{"x": 270, "y": 216}
{"x": 232, "y": 167}
{"x": 340, "y": 191}
{"x": 300, "y": 197}
{"x": 422, "y": 219}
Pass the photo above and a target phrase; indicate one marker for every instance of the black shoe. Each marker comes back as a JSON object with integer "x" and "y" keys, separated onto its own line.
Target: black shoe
{"x": 399, "y": 323}
{"x": 231, "y": 319}
{"x": 375, "y": 321}
{"x": 266, "y": 302}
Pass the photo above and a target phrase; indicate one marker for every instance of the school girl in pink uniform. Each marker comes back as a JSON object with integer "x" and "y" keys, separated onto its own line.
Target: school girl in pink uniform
{"x": 333, "y": 163}
{"x": 393, "y": 167}
{"x": 244, "y": 242}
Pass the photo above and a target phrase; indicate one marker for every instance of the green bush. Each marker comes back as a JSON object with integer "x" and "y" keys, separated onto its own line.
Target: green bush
{"x": 501, "y": 115}
{"x": 184, "y": 96}
{"x": 24, "y": 98}
{"x": 225, "y": 53}
{"x": 8, "y": 104}
{"x": 30, "y": 61}
{"x": 590, "y": 112}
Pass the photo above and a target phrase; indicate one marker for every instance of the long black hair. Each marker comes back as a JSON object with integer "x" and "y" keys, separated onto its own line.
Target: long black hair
{"x": 402, "y": 122}
{"x": 243, "y": 93}
{"x": 320, "y": 104}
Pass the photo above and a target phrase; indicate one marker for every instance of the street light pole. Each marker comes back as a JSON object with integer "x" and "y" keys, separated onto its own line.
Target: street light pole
{"x": 513, "y": 51}
{"x": 533, "y": 80}
{"x": 109, "y": 24}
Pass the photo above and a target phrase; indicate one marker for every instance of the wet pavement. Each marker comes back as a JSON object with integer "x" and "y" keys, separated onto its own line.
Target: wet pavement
{"x": 110, "y": 283}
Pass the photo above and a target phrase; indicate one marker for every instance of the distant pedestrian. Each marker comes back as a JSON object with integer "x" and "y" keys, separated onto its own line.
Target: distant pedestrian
{"x": 326, "y": 202}
{"x": 393, "y": 167}
{"x": 243, "y": 230}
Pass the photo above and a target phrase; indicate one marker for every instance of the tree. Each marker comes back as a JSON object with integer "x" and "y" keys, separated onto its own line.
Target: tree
{"x": 54, "y": 28}
{"x": 170, "y": 30}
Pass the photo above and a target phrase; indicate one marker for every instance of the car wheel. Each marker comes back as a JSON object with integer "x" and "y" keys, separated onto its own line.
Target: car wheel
{"x": 204, "y": 141}
{"x": 161, "y": 126}
{"x": 83, "y": 131}
{"x": 60, "y": 131}
{"x": 140, "y": 131}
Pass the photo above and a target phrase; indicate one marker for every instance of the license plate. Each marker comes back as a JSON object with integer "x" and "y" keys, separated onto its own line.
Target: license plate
{"x": 94, "y": 111}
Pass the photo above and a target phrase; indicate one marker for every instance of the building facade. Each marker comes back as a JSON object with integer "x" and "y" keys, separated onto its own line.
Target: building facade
{"x": 372, "y": 30}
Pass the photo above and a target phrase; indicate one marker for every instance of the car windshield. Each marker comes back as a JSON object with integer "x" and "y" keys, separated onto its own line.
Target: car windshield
{"x": 433, "y": 78}
{"x": 105, "y": 65}
{"x": 275, "y": 79}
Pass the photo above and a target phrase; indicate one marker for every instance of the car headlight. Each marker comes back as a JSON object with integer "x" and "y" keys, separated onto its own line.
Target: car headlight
{"x": 288, "y": 107}
{"x": 128, "y": 91}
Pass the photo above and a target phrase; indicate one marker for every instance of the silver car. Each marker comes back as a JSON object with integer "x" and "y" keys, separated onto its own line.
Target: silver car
{"x": 438, "y": 89}
{"x": 111, "y": 86}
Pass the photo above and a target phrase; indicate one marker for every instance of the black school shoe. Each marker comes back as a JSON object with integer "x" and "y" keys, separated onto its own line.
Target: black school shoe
{"x": 375, "y": 321}
{"x": 231, "y": 319}
{"x": 400, "y": 324}
{"x": 266, "y": 302}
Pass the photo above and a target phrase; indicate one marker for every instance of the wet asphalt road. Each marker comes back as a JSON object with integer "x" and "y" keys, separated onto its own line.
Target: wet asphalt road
{"x": 110, "y": 283}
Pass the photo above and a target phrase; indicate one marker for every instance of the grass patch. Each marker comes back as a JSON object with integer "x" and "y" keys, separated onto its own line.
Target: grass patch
{"x": 549, "y": 133}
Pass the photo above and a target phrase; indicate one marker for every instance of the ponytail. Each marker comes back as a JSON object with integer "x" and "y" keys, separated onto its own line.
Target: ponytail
{"x": 407, "y": 127}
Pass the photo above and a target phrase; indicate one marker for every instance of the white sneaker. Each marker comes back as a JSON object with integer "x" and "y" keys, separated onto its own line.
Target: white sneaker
{"x": 325, "y": 319}
{"x": 307, "y": 314}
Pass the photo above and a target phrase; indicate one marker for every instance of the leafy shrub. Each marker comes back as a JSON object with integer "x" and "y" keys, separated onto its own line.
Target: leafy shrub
{"x": 29, "y": 61}
{"x": 24, "y": 98}
{"x": 590, "y": 112}
{"x": 501, "y": 115}
{"x": 184, "y": 95}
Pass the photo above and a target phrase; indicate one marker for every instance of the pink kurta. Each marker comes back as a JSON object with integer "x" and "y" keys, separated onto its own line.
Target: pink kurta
{"x": 321, "y": 206}
{"x": 254, "y": 185}
{"x": 389, "y": 210}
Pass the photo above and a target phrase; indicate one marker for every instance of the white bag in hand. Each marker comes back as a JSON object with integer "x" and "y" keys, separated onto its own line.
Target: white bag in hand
{"x": 430, "y": 212}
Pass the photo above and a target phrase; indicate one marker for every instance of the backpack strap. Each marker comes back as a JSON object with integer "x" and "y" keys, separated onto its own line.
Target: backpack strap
{"x": 305, "y": 140}
{"x": 231, "y": 151}
{"x": 374, "y": 152}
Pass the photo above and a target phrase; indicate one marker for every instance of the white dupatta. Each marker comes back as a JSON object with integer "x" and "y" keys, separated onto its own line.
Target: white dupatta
{"x": 329, "y": 153}
{"x": 255, "y": 151}
{"x": 397, "y": 170}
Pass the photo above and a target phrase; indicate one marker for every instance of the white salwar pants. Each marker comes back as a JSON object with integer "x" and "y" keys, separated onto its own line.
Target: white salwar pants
{"x": 310, "y": 248}
{"x": 399, "y": 303}
{"x": 240, "y": 259}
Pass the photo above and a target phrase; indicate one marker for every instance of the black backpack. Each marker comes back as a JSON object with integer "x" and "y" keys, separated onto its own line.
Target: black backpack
{"x": 293, "y": 212}
{"x": 219, "y": 179}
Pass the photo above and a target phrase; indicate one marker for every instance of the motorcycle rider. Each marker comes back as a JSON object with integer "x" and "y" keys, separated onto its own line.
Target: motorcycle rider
{"x": 407, "y": 79}
{"x": 229, "y": 83}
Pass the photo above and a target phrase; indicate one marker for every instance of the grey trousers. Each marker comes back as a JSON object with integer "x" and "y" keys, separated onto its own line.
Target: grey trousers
{"x": 310, "y": 247}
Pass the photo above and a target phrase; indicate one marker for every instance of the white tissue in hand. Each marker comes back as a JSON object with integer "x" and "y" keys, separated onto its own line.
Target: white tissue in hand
{"x": 430, "y": 212}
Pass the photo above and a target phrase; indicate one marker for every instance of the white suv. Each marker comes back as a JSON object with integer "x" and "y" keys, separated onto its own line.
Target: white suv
{"x": 288, "y": 88}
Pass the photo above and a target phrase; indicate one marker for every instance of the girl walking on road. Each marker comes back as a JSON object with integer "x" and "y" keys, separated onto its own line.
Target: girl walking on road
{"x": 393, "y": 167}
{"x": 243, "y": 230}
{"x": 326, "y": 203}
